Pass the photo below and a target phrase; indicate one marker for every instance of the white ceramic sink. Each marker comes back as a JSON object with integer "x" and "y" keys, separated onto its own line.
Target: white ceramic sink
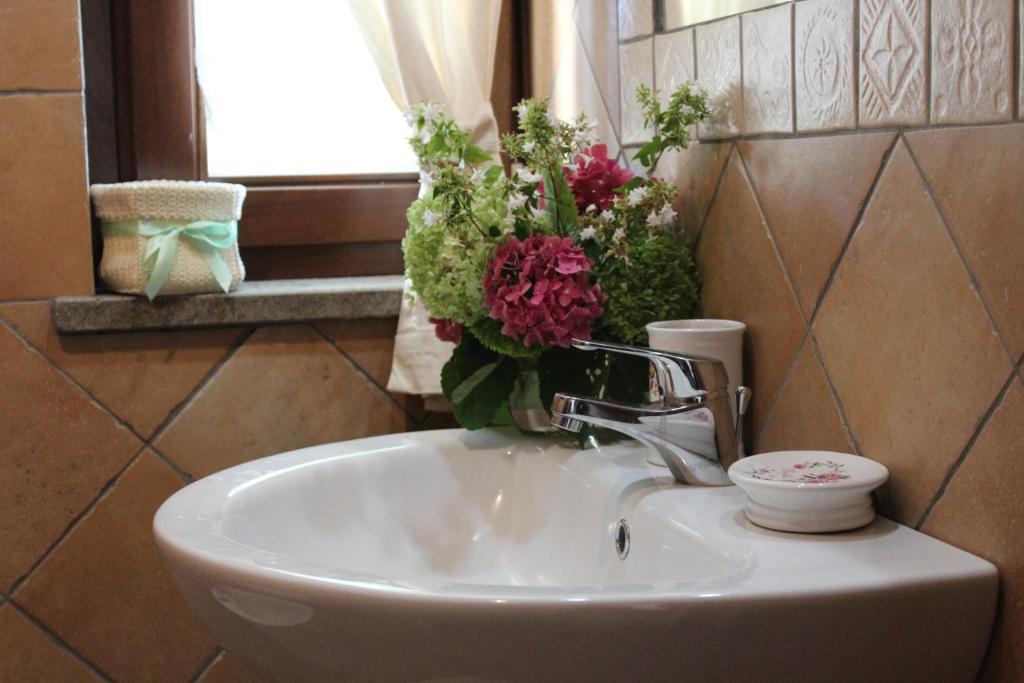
{"x": 488, "y": 556}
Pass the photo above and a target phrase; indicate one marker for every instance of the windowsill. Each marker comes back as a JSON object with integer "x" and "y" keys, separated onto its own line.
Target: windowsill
{"x": 254, "y": 303}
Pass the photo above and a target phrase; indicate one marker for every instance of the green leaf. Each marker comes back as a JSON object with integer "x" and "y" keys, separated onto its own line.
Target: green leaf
{"x": 477, "y": 381}
{"x": 492, "y": 174}
{"x": 561, "y": 206}
{"x": 488, "y": 332}
{"x": 475, "y": 155}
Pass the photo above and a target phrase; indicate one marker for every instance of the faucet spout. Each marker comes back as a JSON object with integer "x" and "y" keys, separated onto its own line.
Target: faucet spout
{"x": 690, "y": 426}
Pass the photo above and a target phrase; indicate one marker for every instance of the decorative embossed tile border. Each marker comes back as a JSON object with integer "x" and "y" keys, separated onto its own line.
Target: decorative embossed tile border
{"x": 810, "y": 66}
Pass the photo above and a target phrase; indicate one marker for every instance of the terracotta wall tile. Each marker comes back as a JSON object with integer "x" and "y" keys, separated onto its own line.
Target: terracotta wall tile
{"x": 45, "y": 218}
{"x": 27, "y": 654}
{"x": 140, "y": 376}
{"x": 743, "y": 280}
{"x": 893, "y": 62}
{"x": 59, "y": 450}
{"x": 105, "y": 592}
{"x": 810, "y": 201}
{"x": 897, "y": 330}
{"x": 972, "y": 61}
{"x": 805, "y": 416}
{"x": 696, "y": 172}
{"x": 977, "y": 176}
{"x": 982, "y": 512}
{"x": 39, "y": 45}
{"x": 286, "y": 388}
{"x": 718, "y": 72}
{"x": 824, "y": 65}
{"x": 767, "y": 69}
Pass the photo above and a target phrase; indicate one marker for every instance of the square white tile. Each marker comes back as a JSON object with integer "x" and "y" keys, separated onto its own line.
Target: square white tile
{"x": 767, "y": 71}
{"x": 972, "y": 61}
{"x": 893, "y": 59}
{"x": 824, "y": 64}
{"x": 718, "y": 72}
{"x": 636, "y": 67}
{"x": 636, "y": 18}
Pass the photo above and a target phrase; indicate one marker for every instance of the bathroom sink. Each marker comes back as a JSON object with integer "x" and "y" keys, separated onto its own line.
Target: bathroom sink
{"x": 491, "y": 556}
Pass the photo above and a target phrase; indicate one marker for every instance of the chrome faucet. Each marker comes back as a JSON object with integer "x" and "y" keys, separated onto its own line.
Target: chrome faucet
{"x": 689, "y": 423}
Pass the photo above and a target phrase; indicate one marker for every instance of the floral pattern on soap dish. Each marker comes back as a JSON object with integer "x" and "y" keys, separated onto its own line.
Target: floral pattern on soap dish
{"x": 817, "y": 472}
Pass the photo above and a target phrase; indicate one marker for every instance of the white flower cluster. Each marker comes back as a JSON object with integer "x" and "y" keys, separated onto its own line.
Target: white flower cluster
{"x": 430, "y": 112}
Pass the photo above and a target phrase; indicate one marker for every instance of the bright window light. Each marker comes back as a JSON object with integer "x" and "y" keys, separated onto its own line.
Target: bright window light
{"x": 289, "y": 88}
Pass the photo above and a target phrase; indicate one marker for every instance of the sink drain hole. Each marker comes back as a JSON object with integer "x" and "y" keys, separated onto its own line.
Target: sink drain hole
{"x": 622, "y": 539}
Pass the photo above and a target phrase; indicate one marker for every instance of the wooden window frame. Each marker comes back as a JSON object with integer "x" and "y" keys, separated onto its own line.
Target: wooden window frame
{"x": 292, "y": 227}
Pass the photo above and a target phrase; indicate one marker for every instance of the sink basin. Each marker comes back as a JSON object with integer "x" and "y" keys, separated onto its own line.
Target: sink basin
{"x": 492, "y": 556}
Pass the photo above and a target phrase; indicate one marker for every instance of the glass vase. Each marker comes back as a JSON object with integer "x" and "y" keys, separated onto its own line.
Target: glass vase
{"x": 524, "y": 403}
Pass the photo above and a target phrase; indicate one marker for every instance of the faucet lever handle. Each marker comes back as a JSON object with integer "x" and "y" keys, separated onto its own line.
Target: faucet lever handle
{"x": 678, "y": 375}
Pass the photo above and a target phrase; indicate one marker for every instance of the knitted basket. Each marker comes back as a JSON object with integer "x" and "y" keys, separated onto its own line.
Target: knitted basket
{"x": 176, "y": 202}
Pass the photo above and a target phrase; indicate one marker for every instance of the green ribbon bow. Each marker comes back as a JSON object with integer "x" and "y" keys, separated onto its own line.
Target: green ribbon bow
{"x": 208, "y": 238}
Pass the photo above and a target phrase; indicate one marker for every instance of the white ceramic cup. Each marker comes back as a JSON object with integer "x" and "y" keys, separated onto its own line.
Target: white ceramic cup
{"x": 718, "y": 339}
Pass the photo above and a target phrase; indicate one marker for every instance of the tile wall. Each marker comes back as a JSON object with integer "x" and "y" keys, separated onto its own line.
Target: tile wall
{"x": 857, "y": 202}
{"x": 98, "y": 430}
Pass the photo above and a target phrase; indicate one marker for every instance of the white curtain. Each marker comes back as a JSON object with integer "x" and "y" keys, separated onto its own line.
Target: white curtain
{"x": 440, "y": 50}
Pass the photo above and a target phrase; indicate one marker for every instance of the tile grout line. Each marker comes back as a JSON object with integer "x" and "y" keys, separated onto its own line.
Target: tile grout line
{"x": 58, "y": 641}
{"x": 75, "y": 521}
{"x": 785, "y": 380}
{"x": 235, "y": 346}
{"x": 363, "y": 374}
{"x": 89, "y": 396}
{"x": 975, "y": 285}
{"x": 789, "y": 284}
{"x": 858, "y": 219}
{"x": 712, "y": 200}
{"x": 208, "y": 663}
{"x": 835, "y": 394}
{"x": 997, "y": 403}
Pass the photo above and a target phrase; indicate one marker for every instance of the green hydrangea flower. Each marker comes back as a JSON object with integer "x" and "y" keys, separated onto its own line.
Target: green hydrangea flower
{"x": 446, "y": 261}
{"x": 657, "y": 281}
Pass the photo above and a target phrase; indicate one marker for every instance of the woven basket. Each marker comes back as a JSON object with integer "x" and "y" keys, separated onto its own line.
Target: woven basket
{"x": 171, "y": 201}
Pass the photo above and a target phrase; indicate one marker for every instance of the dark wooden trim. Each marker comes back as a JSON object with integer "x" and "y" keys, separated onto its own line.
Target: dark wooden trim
{"x": 155, "y": 70}
{"x": 333, "y": 260}
{"x": 280, "y": 216}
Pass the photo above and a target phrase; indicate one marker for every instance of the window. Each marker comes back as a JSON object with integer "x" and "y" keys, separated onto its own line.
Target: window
{"x": 275, "y": 112}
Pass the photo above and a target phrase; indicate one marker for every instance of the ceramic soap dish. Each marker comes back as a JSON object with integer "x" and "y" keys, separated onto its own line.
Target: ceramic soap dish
{"x": 809, "y": 491}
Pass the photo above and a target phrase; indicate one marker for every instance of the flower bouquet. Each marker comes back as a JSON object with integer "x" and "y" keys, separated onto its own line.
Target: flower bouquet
{"x": 570, "y": 245}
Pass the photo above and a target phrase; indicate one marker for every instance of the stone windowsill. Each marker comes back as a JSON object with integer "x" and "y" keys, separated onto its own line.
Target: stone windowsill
{"x": 254, "y": 303}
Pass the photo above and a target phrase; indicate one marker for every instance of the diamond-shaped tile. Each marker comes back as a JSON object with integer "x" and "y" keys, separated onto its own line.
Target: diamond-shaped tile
{"x": 636, "y": 67}
{"x": 972, "y": 61}
{"x": 718, "y": 72}
{"x": 893, "y": 56}
{"x": 810, "y": 201}
{"x": 27, "y": 654}
{"x": 59, "y": 449}
{"x": 286, "y": 388}
{"x": 977, "y": 177}
{"x": 906, "y": 341}
{"x": 824, "y": 65}
{"x": 596, "y": 25}
{"x": 104, "y": 590}
{"x": 805, "y": 416}
{"x": 767, "y": 64}
{"x": 743, "y": 280}
{"x": 140, "y": 376}
{"x": 982, "y": 512}
{"x": 696, "y": 172}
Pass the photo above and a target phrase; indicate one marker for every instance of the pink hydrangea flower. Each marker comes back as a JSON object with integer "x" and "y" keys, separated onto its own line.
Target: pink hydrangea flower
{"x": 539, "y": 289}
{"x": 595, "y": 178}
{"x": 446, "y": 330}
